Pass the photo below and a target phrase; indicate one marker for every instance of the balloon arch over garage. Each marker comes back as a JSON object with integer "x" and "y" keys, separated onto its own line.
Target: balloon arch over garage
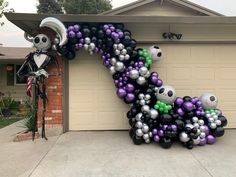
{"x": 156, "y": 114}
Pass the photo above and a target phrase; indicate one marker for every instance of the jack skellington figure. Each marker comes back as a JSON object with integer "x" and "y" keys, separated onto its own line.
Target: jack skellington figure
{"x": 36, "y": 63}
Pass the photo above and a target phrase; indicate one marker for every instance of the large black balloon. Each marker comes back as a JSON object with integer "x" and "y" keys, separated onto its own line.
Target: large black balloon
{"x": 219, "y": 131}
{"x": 223, "y": 120}
{"x": 138, "y": 140}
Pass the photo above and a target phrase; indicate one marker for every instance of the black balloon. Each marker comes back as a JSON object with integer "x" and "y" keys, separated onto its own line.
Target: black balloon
{"x": 166, "y": 143}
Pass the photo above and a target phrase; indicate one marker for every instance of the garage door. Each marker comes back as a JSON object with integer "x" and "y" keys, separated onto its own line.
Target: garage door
{"x": 191, "y": 68}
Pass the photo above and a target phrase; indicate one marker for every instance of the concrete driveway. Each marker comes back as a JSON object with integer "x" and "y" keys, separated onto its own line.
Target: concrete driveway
{"x": 112, "y": 154}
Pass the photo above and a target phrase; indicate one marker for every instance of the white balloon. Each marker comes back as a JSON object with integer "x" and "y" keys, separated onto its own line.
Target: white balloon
{"x": 155, "y": 52}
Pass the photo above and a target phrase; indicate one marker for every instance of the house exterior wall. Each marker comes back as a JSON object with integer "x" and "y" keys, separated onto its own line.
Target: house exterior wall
{"x": 17, "y": 91}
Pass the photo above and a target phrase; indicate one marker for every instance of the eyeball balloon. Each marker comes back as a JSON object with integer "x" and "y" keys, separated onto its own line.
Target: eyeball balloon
{"x": 41, "y": 42}
{"x": 166, "y": 94}
{"x": 155, "y": 53}
{"x": 209, "y": 101}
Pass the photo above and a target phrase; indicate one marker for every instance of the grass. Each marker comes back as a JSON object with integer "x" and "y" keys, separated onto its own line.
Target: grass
{"x": 8, "y": 121}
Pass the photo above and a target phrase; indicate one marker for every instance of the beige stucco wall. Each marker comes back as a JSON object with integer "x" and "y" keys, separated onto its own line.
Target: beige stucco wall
{"x": 17, "y": 91}
{"x": 166, "y": 9}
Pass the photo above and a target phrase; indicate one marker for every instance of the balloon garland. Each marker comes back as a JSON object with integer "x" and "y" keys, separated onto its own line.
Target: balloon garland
{"x": 156, "y": 114}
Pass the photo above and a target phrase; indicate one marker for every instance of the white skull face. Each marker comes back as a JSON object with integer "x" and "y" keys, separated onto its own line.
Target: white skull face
{"x": 209, "y": 101}
{"x": 155, "y": 52}
{"x": 166, "y": 94}
{"x": 42, "y": 42}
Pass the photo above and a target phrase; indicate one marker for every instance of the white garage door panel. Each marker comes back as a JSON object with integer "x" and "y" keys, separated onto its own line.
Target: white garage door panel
{"x": 92, "y": 96}
{"x": 191, "y": 68}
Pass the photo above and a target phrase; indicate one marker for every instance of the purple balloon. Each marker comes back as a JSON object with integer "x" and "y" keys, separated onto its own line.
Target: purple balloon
{"x": 164, "y": 127}
{"x": 156, "y": 138}
{"x": 180, "y": 111}
{"x": 79, "y": 35}
{"x": 108, "y": 31}
{"x": 112, "y": 28}
{"x": 129, "y": 88}
{"x": 203, "y": 141}
{"x": 207, "y": 130}
{"x": 154, "y": 131}
{"x": 130, "y": 97}
{"x": 72, "y": 34}
{"x": 121, "y": 34}
{"x": 105, "y": 27}
{"x": 76, "y": 28}
{"x": 179, "y": 101}
{"x": 154, "y": 74}
{"x": 121, "y": 93}
{"x": 70, "y": 28}
{"x": 174, "y": 127}
{"x": 199, "y": 103}
{"x": 159, "y": 83}
{"x": 120, "y": 84}
{"x": 211, "y": 139}
{"x": 154, "y": 79}
{"x": 160, "y": 133}
{"x": 188, "y": 106}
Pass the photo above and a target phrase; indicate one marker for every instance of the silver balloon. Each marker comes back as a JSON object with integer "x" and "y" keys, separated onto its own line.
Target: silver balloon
{"x": 145, "y": 136}
{"x": 86, "y": 46}
{"x": 215, "y": 117}
{"x": 189, "y": 125}
{"x": 150, "y": 134}
{"x": 141, "y": 96}
{"x": 92, "y": 46}
{"x": 198, "y": 131}
{"x": 147, "y": 97}
{"x": 139, "y": 132}
{"x": 196, "y": 141}
{"x": 142, "y": 102}
{"x": 196, "y": 125}
{"x": 211, "y": 119}
{"x": 141, "y": 80}
{"x": 120, "y": 46}
{"x": 213, "y": 125}
{"x": 112, "y": 70}
{"x": 183, "y": 137}
{"x": 123, "y": 51}
{"x": 153, "y": 113}
{"x": 138, "y": 116}
{"x": 115, "y": 46}
{"x": 133, "y": 74}
{"x": 201, "y": 122}
{"x": 195, "y": 119}
{"x": 203, "y": 135}
{"x": 143, "y": 70}
{"x": 117, "y": 52}
{"x": 145, "y": 108}
{"x": 87, "y": 40}
{"x": 121, "y": 57}
{"x": 139, "y": 124}
{"x": 119, "y": 66}
{"x": 127, "y": 57}
{"x": 145, "y": 128}
{"x": 208, "y": 115}
{"x": 113, "y": 61}
{"x": 202, "y": 128}
{"x": 147, "y": 141}
{"x": 218, "y": 122}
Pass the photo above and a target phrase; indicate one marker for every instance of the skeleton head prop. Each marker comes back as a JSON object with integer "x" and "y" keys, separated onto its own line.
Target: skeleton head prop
{"x": 209, "y": 101}
{"x": 155, "y": 53}
{"x": 166, "y": 94}
{"x": 41, "y": 42}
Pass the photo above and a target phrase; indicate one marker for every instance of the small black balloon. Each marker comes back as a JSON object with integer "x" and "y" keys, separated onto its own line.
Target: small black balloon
{"x": 86, "y": 32}
{"x": 100, "y": 34}
{"x": 187, "y": 98}
{"x": 223, "y": 120}
{"x": 129, "y": 115}
{"x": 70, "y": 55}
{"x": 131, "y": 133}
{"x": 166, "y": 118}
{"x": 180, "y": 124}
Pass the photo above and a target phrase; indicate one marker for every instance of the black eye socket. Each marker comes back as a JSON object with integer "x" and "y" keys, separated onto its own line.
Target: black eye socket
{"x": 212, "y": 98}
{"x": 44, "y": 39}
{"x": 36, "y": 40}
{"x": 156, "y": 47}
{"x": 159, "y": 54}
{"x": 161, "y": 90}
{"x": 170, "y": 93}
